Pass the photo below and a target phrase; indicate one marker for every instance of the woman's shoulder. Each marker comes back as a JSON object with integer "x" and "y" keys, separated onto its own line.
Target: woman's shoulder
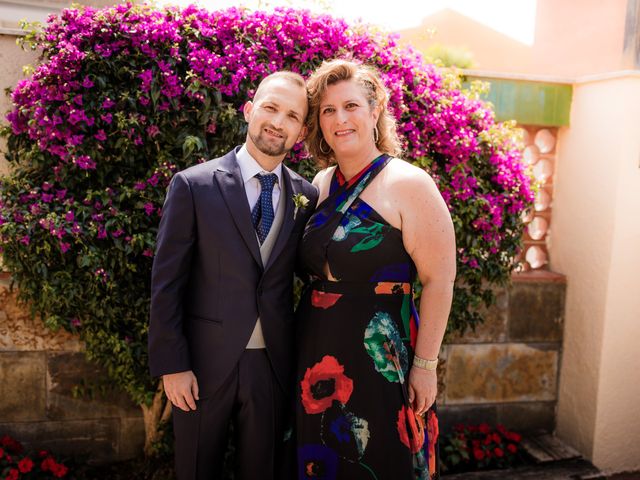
{"x": 403, "y": 174}
{"x": 411, "y": 187}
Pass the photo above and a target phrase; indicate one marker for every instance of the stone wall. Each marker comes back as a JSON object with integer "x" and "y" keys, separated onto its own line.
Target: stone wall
{"x": 507, "y": 370}
{"x": 504, "y": 372}
{"x": 50, "y": 397}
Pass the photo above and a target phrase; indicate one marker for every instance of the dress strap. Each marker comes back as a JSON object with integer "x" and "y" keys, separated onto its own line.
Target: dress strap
{"x": 343, "y": 194}
{"x": 326, "y": 219}
{"x": 338, "y": 179}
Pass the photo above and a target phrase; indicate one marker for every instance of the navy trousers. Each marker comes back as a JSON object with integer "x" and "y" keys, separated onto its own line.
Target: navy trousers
{"x": 253, "y": 400}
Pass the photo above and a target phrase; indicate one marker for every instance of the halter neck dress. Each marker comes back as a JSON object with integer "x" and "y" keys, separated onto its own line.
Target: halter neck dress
{"x": 356, "y": 337}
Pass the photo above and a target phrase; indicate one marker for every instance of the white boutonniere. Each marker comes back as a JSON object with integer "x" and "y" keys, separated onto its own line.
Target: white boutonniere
{"x": 301, "y": 202}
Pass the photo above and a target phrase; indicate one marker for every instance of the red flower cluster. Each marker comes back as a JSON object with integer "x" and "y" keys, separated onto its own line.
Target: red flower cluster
{"x": 11, "y": 445}
{"x": 473, "y": 447}
{"x": 49, "y": 464}
{"x": 14, "y": 465}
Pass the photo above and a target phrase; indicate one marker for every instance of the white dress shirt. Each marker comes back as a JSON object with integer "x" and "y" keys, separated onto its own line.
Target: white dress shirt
{"x": 249, "y": 168}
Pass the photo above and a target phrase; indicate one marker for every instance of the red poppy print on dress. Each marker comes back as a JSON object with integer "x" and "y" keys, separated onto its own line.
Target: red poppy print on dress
{"x": 323, "y": 383}
{"x": 411, "y": 429}
{"x": 433, "y": 431}
{"x": 325, "y": 300}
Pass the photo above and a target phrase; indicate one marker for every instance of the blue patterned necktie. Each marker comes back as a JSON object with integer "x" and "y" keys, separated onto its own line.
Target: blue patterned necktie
{"x": 262, "y": 213}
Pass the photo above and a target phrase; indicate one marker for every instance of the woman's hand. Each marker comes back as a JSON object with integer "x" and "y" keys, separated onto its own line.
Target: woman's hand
{"x": 423, "y": 388}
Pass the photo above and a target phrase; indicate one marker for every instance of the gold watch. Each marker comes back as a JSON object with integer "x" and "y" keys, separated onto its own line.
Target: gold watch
{"x": 424, "y": 363}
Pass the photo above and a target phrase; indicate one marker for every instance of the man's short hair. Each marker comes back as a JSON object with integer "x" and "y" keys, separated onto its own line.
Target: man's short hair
{"x": 294, "y": 78}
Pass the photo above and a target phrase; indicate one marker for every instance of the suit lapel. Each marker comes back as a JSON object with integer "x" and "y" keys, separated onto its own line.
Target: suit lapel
{"x": 293, "y": 186}
{"x": 231, "y": 185}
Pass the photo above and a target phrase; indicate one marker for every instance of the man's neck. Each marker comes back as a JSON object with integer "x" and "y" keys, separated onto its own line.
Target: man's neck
{"x": 267, "y": 162}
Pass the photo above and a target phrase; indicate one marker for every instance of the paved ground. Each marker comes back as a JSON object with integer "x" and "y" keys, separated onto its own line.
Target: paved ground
{"x": 561, "y": 470}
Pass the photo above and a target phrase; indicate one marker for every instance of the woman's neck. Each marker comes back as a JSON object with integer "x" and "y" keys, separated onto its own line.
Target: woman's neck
{"x": 352, "y": 165}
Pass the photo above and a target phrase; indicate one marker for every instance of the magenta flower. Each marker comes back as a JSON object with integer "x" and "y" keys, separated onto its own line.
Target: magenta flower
{"x": 107, "y": 103}
{"x": 153, "y": 130}
{"x": 85, "y": 162}
{"x": 147, "y": 78}
{"x": 149, "y": 208}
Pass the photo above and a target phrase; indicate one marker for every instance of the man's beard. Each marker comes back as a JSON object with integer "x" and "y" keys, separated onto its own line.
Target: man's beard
{"x": 266, "y": 147}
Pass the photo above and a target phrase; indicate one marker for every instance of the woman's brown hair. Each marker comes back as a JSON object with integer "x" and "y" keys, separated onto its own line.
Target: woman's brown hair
{"x": 332, "y": 72}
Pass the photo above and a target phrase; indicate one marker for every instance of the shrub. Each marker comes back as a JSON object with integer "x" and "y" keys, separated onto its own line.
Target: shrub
{"x": 123, "y": 97}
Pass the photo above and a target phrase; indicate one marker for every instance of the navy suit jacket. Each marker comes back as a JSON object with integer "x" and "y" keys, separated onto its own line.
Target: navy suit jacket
{"x": 208, "y": 283}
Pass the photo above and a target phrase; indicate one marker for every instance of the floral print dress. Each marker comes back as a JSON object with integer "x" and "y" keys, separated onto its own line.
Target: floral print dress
{"x": 355, "y": 342}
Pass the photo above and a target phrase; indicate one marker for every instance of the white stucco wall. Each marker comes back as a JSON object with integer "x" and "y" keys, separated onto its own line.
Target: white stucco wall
{"x": 596, "y": 239}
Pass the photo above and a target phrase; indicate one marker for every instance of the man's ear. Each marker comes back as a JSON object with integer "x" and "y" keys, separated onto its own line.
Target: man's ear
{"x": 248, "y": 107}
{"x": 303, "y": 134}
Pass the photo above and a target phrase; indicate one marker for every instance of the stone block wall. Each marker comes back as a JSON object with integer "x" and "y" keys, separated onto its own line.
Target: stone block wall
{"x": 504, "y": 372}
{"x": 507, "y": 370}
{"x": 39, "y": 373}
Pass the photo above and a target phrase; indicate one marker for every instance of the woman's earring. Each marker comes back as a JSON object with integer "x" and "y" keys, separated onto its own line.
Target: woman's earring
{"x": 320, "y": 147}
{"x": 376, "y": 135}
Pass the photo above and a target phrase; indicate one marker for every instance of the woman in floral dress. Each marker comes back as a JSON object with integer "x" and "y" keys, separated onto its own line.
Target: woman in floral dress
{"x": 366, "y": 381}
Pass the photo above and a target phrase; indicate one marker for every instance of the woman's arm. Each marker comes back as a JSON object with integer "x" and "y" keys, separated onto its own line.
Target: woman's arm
{"x": 428, "y": 236}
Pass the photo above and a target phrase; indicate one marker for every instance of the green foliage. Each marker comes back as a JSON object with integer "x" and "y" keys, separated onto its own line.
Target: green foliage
{"x": 448, "y": 56}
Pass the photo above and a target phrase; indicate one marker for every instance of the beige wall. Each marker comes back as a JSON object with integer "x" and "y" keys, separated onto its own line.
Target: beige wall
{"x": 595, "y": 244}
{"x": 491, "y": 49}
{"x": 579, "y": 37}
{"x": 572, "y": 38}
{"x": 618, "y": 420}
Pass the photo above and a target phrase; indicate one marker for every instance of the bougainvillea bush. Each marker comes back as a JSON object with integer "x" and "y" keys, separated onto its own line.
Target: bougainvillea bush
{"x": 123, "y": 97}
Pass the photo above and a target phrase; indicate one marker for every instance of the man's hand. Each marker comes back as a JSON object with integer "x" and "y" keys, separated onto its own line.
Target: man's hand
{"x": 181, "y": 389}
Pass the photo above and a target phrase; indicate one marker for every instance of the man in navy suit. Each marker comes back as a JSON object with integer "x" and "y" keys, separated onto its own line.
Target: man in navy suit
{"x": 221, "y": 329}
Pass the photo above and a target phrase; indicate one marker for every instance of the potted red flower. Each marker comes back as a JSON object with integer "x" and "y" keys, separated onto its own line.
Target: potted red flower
{"x": 17, "y": 464}
{"x": 479, "y": 447}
